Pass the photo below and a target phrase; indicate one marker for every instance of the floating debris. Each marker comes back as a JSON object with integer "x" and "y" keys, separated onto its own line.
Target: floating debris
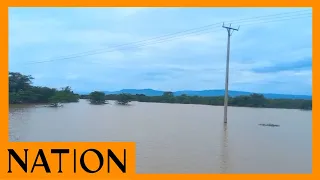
{"x": 270, "y": 125}
{"x": 54, "y": 105}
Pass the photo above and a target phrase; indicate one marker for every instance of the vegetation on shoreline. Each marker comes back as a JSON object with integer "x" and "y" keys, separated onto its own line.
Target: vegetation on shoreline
{"x": 21, "y": 91}
{"x": 253, "y": 100}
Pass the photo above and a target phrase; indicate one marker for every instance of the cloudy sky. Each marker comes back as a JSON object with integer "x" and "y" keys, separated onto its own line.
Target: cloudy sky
{"x": 270, "y": 54}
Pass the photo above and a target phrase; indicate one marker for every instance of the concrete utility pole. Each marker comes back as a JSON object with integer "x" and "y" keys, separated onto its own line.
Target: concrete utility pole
{"x": 230, "y": 31}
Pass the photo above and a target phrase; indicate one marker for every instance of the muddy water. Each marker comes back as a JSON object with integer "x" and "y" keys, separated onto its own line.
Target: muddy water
{"x": 176, "y": 138}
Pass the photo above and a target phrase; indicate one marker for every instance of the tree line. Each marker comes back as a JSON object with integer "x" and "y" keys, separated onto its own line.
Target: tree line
{"x": 252, "y": 100}
{"x": 98, "y": 97}
{"x": 21, "y": 91}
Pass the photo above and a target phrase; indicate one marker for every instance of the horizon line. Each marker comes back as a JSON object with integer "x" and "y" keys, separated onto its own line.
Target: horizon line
{"x": 198, "y": 91}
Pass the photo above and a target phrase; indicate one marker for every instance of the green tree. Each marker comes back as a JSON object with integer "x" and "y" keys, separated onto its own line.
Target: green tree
{"x": 97, "y": 97}
{"x": 43, "y": 94}
{"x": 65, "y": 95}
{"x": 184, "y": 99}
{"x": 168, "y": 97}
{"x": 257, "y": 100}
{"x": 124, "y": 99}
{"x": 252, "y": 100}
{"x": 306, "y": 105}
{"x": 22, "y": 91}
{"x": 18, "y": 81}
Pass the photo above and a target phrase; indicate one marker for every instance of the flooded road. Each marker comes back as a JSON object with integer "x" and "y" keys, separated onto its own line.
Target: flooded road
{"x": 179, "y": 138}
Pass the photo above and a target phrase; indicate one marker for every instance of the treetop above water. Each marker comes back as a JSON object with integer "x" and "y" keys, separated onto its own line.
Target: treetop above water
{"x": 21, "y": 91}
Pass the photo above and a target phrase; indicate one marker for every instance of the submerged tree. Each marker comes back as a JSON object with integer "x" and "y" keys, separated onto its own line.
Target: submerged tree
{"x": 65, "y": 95}
{"x": 124, "y": 99}
{"x": 250, "y": 100}
{"x": 97, "y": 97}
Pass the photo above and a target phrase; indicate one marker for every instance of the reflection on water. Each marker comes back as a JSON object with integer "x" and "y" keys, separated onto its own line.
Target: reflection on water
{"x": 176, "y": 138}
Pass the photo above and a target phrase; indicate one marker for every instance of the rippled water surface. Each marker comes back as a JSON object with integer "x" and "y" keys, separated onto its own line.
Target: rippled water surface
{"x": 176, "y": 138}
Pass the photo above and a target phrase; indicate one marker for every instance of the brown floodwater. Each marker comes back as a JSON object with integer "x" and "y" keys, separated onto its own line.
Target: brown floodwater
{"x": 179, "y": 138}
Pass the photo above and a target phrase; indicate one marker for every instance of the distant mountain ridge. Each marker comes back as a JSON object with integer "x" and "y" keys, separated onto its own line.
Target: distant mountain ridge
{"x": 152, "y": 92}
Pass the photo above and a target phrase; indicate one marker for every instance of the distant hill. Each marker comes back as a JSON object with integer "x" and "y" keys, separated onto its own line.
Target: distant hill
{"x": 151, "y": 92}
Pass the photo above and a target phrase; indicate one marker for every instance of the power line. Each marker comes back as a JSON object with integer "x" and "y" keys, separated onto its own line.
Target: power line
{"x": 279, "y": 20}
{"x": 96, "y": 51}
{"x": 165, "y": 38}
{"x": 156, "y": 42}
{"x": 126, "y": 48}
{"x": 193, "y": 29}
{"x": 270, "y": 15}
